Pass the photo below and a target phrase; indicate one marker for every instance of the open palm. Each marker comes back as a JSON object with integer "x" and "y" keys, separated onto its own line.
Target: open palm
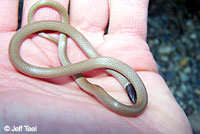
{"x": 58, "y": 105}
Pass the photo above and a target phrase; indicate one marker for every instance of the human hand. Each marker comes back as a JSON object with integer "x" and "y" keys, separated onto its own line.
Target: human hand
{"x": 58, "y": 104}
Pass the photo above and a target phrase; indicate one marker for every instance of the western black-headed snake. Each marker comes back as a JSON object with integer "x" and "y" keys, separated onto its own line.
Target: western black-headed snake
{"x": 125, "y": 74}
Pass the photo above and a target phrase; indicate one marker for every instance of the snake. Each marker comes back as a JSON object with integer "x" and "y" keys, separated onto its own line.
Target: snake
{"x": 128, "y": 78}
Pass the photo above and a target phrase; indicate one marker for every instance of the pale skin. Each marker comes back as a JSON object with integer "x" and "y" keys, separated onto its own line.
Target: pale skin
{"x": 59, "y": 105}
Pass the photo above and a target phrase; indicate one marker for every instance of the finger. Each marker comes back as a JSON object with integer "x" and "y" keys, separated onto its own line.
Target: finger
{"x": 128, "y": 16}
{"x": 90, "y": 17}
{"x": 8, "y": 15}
{"x": 44, "y": 13}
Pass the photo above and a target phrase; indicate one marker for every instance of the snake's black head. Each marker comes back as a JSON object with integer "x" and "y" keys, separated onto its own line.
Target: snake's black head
{"x": 131, "y": 93}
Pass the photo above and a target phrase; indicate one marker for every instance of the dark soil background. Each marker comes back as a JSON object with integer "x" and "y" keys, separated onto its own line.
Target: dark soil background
{"x": 174, "y": 39}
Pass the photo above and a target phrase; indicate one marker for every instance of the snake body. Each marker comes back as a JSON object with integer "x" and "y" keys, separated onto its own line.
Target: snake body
{"x": 125, "y": 74}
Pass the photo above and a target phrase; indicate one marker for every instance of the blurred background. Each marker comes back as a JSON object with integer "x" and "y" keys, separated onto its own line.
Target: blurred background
{"x": 174, "y": 40}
